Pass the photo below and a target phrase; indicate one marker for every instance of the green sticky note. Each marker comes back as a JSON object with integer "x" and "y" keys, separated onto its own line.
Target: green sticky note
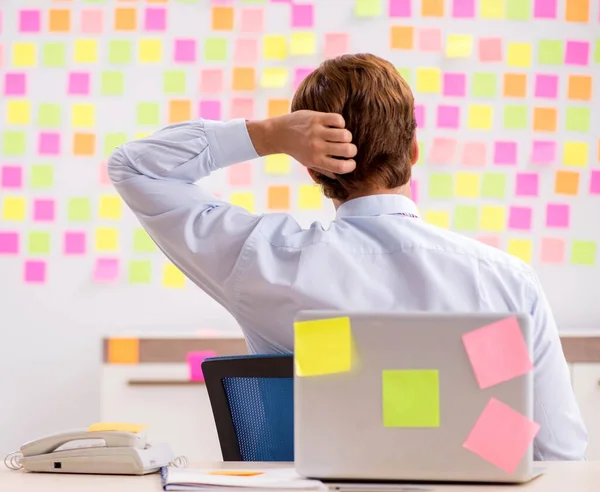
{"x": 550, "y": 52}
{"x": 368, "y": 8}
{"x": 79, "y": 209}
{"x": 112, "y": 84}
{"x": 142, "y": 242}
{"x": 466, "y": 218}
{"x": 54, "y": 55}
{"x": 38, "y": 243}
{"x": 215, "y": 49}
{"x": 583, "y": 253}
{"x": 515, "y": 117}
{"x": 120, "y": 52}
{"x": 404, "y": 73}
{"x": 41, "y": 176}
{"x": 578, "y": 119}
{"x": 147, "y": 113}
{"x": 411, "y": 398}
{"x": 14, "y": 143}
{"x": 597, "y": 51}
{"x": 112, "y": 141}
{"x": 484, "y": 85}
{"x": 518, "y": 9}
{"x": 140, "y": 272}
{"x": 493, "y": 185}
{"x": 174, "y": 82}
{"x": 421, "y": 158}
{"x": 49, "y": 115}
{"x": 441, "y": 186}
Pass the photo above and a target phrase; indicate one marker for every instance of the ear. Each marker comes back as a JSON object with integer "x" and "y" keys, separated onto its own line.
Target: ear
{"x": 415, "y": 151}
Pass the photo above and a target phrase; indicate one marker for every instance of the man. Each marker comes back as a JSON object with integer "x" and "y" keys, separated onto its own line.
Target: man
{"x": 376, "y": 255}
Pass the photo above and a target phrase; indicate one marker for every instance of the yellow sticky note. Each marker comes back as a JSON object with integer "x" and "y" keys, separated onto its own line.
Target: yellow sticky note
{"x": 323, "y": 346}
{"x": 303, "y": 43}
{"x": 173, "y": 276}
{"x": 244, "y": 200}
{"x": 438, "y": 218}
{"x": 310, "y": 197}
{"x": 467, "y": 185}
{"x": 491, "y": 9}
{"x": 14, "y": 208}
{"x": 86, "y": 51}
{"x": 107, "y": 239}
{"x": 274, "y": 78}
{"x": 110, "y": 207}
{"x": 18, "y": 112}
{"x": 114, "y": 426}
{"x": 140, "y": 135}
{"x": 493, "y": 218}
{"x": 459, "y": 45}
{"x": 278, "y": 164}
{"x": 575, "y": 154}
{"x": 481, "y": 117}
{"x": 428, "y": 80}
{"x": 24, "y": 54}
{"x": 83, "y": 115}
{"x": 150, "y": 50}
{"x": 521, "y": 248}
{"x": 518, "y": 55}
{"x": 275, "y": 47}
{"x": 236, "y": 473}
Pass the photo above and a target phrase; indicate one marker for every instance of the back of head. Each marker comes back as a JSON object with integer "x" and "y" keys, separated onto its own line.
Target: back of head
{"x": 378, "y": 107}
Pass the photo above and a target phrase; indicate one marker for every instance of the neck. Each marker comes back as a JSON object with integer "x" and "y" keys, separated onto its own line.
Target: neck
{"x": 402, "y": 190}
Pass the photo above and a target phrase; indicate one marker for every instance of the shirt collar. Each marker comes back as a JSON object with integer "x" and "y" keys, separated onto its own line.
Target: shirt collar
{"x": 377, "y": 205}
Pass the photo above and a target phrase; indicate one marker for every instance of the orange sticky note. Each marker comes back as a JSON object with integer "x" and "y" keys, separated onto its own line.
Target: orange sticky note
{"x": 278, "y": 107}
{"x": 125, "y": 19}
{"x": 59, "y": 20}
{"x": 180, "y": 110}
{"x": 244, "y": 79}
{"x": 580, "y": 87}
{"x": 401, "y": 37}
{"x": 544, "y": 119}
{"x": 278, "y": 197}
{"x": 222, "y": 18}
{"x": 84, "y": 144}
{"x": 236, "y": 473}
{"x": 123, "y": 351}
{"x": 515, "y": 85}
{"x": 566, "y": 182}
{"x": 577, "y": 11}
{"x": 432, "y": 8}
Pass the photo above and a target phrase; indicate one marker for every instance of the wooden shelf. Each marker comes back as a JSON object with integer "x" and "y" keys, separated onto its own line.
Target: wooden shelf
{"x": 163, "y": 382}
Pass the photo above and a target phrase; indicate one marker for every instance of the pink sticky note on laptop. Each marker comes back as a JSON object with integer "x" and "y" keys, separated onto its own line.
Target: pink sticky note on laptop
{"x": 497, "y": 352}
{"x": 194, "y": 360}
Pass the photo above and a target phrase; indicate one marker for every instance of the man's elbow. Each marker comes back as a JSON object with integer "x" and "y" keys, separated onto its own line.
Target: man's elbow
{"x": 118, "y": 167}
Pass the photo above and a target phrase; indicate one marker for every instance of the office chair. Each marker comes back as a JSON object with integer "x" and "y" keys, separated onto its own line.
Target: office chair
{"x": 252, "y": 399}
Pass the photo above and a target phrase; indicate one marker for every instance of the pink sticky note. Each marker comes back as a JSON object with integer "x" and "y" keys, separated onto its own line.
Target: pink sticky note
{"x": 519, "y": 218}
{"x": 92, "y": 21}
{"x": 553, "y": 250}
{"x": 303, "y": 15}
{"x": 558, "y": 215}
{"x": 544, "y": 9}
{"x": 595, "y": 183}
{"x": 493, "y": 241}
{"x": 420, "y": 115}
{"x": 11, "y": 177}
{"x": 543, "y": 152}
{"x": 505, "y": 153}
{"x": 336, "y": 44}
{"x": 300, "y": 74}
{"x": 103, "y": 174}
{"x": 79, "y": 84}
{"x": 15, "y": 84}
{"x": 74, "y": 243}
{"x": 443, "y": 150}
{"x": 490, "y": 49}
{"x": 454, "y": 84}
{"x": 240, "y": 174}
{"x": 184, "y": 51}
{"x": 211, "y": 80}
{"x": 497, "y": 352}
{"x": 242, "y": 107}
{"x": 463, "y": 9}
{"x": 49, "y": 143}
{"x": 429, "y": 39}
{"x": 474, "y": 154}
{"x": 43, "y": 210}
{"x": 209, "y": 110}
{"x": 9, "y": 243}
{"x": 501, "y": 436}
{"x": 245, "y": 52}
{"x": 155, "y": 19}
{"x": 29, "y": 21}
{"x": 35, "y": 272}
{"x": 252, "y": 20}
{"x": 577, "y": 53}
{"x": 106, "y": 270}
{"x": 448, "y": 116}
{"x": 527, "y": 184}
{"x": 194, "y": 360}
{"x": 400, "y": 8}
{"x": 546, "y": 86}
{"x": 414, "y": 190}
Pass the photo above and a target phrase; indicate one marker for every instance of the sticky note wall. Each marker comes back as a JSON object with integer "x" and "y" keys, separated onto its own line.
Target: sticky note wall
{"x": 509, "y": 143}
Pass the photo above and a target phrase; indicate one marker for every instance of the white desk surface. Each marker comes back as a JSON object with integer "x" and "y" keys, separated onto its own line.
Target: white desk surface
{"x": 559, "y": 477}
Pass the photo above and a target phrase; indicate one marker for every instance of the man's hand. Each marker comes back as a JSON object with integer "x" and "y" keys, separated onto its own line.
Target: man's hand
{"x": 310, "y": 137}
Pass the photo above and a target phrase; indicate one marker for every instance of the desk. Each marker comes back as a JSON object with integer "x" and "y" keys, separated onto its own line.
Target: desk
{"x": 560, "y": 477}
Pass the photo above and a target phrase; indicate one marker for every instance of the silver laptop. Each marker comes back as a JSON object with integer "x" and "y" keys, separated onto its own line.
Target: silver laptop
{"x": 421, "y": 397}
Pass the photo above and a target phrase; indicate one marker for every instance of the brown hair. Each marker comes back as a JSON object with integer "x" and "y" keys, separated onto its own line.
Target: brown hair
{"x": 378, "y": 107}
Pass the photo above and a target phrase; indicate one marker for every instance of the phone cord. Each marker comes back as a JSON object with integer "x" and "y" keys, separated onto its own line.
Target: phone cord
{"x": 13, "y": 461}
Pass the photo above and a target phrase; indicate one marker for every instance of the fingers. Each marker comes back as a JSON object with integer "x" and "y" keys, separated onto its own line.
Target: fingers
{"x": 337, "y": 166}
{"x": 334, "y": 120}
{"x": 345, "y": 150}
{"x": 336, "y": 135}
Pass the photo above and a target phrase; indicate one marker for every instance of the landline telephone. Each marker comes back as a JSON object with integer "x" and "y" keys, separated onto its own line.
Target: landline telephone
{"x": 104, "y": 448}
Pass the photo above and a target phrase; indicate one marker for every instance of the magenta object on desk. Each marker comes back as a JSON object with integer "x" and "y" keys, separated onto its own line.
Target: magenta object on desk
{"x": 195, "y": 360}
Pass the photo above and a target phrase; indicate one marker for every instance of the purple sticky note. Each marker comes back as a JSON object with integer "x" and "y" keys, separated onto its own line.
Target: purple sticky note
{"x": 490, "y": 49}
{"x": 443, "y": 150}
{"x": 29, "y": 21}
{"x": 420, "y": 115}
{"x": 454, "y": 84}
{"x": 300, "y": 74}
{"x": 448, "y": 116}
{"x": 74, "y": 243}
{"x": 35, "y": 272}
{"x": 242, "y": 107}
{"x": 209, "y": 110}
{"x": 557, "y": 215}
{"x": 155, "y": 19}
{"x": 430, "y": 39}
{"x": 303, "y": 15}
{"x": 544, "y": 9}
{"x": 474, "y": 154}
{"x": 400, "y": 8}
{"x": 519, "y": 218}
{"x": 463, "y": 9}
{"x": 194, "y": 360}
{"x": 252, "y": 20}
{"x": 9, "y": 243}
{"x": 527, "y": 184}
{"x": 505, "y": 153}
{"x": 240, "y": 174}
{"x": 546, "y": 86}
{"x": 336, "y": 44}
{"x": 185, "y": 51}
{"x": 11, "y": 177}
{"x": 15, "y": 84}
{"x": 211, "y": 80}
{"x": 92, "y": 21}
{"x": 553, "y": 250}
{"x": 245, "y": 52}
{"x": 414, "y": 190}
{"x": 106, "y": 270}
{"x": 595, "y": 183}
{"x": 577, "y": 53}
{"x": 43, "y": 210}
{"x": 79, "y": 84}
{"x": 543, "y": 152}
{"x": 49, "y": 143}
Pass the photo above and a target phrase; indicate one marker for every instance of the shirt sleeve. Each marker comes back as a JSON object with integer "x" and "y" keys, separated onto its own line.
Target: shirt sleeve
{"x": 202, "y": 235}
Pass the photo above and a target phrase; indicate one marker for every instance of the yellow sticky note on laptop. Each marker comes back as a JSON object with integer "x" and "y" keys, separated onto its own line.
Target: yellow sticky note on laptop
{"x": 323, "y": 346}
{"x": 116, "y": 426}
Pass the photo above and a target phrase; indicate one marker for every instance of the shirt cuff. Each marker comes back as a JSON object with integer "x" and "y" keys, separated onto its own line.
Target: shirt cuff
{"x": 229, "y": 142}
